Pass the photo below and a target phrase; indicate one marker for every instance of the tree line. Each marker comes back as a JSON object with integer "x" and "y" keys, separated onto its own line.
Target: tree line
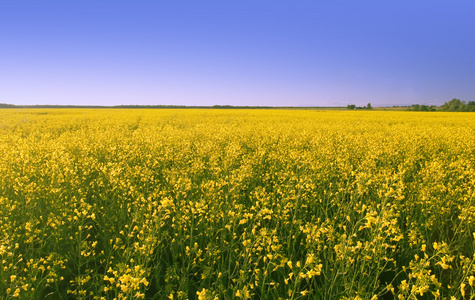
{"x": 452, "y": 105}
{"x": 352, "y": 106}
{"x": 458, "y": 105}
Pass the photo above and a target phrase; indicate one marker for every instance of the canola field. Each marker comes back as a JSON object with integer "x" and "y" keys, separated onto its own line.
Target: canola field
{"x": 236, "y": 204}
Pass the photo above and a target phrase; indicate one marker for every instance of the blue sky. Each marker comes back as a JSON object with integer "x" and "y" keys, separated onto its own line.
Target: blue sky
{"x": 246, "y": 52}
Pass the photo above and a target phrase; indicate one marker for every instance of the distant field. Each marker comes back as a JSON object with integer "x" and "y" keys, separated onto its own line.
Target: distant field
{"x": 236, "y": 204}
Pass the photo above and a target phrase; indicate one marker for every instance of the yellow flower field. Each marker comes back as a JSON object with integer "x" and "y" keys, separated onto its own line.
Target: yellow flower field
{"x": 236, "y": 204}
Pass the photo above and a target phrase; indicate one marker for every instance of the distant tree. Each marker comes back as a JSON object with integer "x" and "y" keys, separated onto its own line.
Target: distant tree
{"x": 458, "y": 105}
{"x": 352, "y": 106}
{"x": 418, "y": 107}
{"x": 453, "y": 105}
{"x": 5, "y": 105}
{"x": 415, "y": 107}
{"x": 470, "y": 106}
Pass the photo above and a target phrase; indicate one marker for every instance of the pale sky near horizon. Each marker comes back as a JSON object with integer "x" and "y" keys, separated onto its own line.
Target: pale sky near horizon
{"x": 259, "y": 52}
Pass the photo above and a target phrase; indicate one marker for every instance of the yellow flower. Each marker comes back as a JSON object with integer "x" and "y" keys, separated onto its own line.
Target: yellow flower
{"x": 202, "y": 294}
{"x": 404, "y": 285}
{"x": 462, "y": 289}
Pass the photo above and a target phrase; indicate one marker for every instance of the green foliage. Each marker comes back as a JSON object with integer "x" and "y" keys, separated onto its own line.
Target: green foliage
{"x": 352, "y": 106}
{"x": 458, "y": 105}
{"x": 5, "y": 105}
{"x": 417, "y": 107}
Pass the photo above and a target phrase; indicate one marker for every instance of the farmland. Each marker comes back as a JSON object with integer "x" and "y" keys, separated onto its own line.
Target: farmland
{"x": 236, "y": 204}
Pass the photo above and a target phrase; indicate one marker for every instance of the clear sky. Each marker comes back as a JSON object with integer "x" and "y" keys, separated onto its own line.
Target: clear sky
{"x": 236, "y": 52}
